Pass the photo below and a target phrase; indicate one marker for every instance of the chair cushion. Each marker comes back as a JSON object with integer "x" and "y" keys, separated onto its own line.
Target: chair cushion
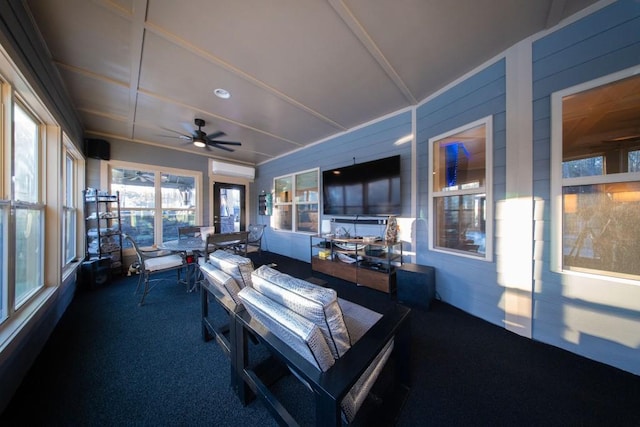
{"x": 205, "y": 231}
{"x": 224, "y": 282}
{"x": 315, "y": 303}
{"x": 358, "y": 319}
{"x": 303, "y": 336}
{"x": 354, "y": 399}
{"x": 236, "y": 266}
{"x": 163, "y": 262}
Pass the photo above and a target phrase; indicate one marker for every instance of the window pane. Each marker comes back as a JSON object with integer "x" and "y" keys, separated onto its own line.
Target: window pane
{"x": 136, "y": 188}
{"x": 283, "y": 189}
{"x": 70, "y": 235}
{"x": 459, "y": 160}
{"x": 634, "y": 161}
{"x": 25, "y": 157}
{"x": 461, "y": 223}
{"x": 601, "y": 228}
{"x": 4, "y": 220}
{"x": 178, "y": 191}
{"x": 591, "y": 166}
{"x": 601, "y": 122}
{"x": 307, "y": 187}
{"x": 282, "y": 217}
{"x": 139, "y": 225}
{"x": 230, "y": 209}
{"x": 173, "y": 219}
{"x": 307, "y": 218}
{"x": 69, "y": 187}
{"x": 28, "y": 262}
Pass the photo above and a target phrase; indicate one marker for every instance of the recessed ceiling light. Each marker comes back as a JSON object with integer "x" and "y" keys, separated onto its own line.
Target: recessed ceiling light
{"x": 222, "y": 93}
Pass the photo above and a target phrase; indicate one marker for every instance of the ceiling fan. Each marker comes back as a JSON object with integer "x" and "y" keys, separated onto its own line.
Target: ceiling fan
{"x": 200, "y": 139}
{"x": 140, "y": 176}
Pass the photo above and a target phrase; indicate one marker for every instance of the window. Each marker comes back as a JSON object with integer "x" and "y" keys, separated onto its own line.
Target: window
{"x": 29, "y": 212}
{"x": 33, "y": 180}
{"x": 460, "y": 199}
{"x": 596, "y": 147}
{"x": 155, "y": 203}
{"x": 73, "y": 182}
{"x": 296, "y": 202}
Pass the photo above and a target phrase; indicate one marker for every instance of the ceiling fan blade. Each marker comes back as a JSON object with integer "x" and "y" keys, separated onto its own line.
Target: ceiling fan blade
{"x": 215, "y": 144}
{"x": 175, "y": 131}
{"x": 225, "y": 142}
{"x": 185, "y": 138}
{"x": 215, "y": 135}
{"x": 188, "y": 128}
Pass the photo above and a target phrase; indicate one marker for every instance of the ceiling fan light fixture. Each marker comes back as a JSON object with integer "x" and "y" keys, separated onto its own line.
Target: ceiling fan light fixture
{"x": 222, "y": 93}
{"x": 199, "y": 143}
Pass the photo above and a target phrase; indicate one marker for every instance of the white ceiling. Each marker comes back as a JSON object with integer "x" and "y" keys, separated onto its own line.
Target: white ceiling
{"x": 298, "y": 71}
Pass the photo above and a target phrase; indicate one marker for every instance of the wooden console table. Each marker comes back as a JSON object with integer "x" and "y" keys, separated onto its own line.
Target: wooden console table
{"x": 367, "y": 263}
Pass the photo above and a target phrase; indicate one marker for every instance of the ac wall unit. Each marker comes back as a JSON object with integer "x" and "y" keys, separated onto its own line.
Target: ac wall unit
{"x": 230, "y": 169}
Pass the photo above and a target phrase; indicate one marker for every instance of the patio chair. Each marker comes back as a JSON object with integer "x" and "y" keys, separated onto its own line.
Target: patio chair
{"x": 153, "y": 262}
{"x": 254, "y": 240}
{"x": 337, "y": 348}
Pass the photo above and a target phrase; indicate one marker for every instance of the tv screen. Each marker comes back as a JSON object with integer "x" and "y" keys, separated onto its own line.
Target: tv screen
{"x": 369, "y": 188}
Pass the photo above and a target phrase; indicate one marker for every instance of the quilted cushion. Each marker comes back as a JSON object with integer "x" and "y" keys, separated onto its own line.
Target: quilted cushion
{"x": 224, "y": 282}
{"x": 315, "y": 303}
{"x": 303, "y": 336}
{"x": 236, "y": 266}
{"x": 354, "y": 399}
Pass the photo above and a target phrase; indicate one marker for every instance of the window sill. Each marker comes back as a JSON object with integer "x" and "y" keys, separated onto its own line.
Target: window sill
{"x": 23, "y": 320}
{"x": 70, "y": 269}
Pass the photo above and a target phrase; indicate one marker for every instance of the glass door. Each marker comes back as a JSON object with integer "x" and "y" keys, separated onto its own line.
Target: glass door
{"x": 228, "y": 207}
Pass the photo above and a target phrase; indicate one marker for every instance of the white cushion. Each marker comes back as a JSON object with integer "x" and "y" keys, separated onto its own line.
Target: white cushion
{"x": 236, "y": 266}
{"x": 315, "y": 303}
{"x": 303, "y": 336}
{"x": 205, "y": 231}
{"x": 162, "y": 262}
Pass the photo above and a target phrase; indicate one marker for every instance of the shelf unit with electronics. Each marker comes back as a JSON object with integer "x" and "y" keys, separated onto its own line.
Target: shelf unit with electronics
{"x": 365, "y": 261}
{"x": 103, "y": 227}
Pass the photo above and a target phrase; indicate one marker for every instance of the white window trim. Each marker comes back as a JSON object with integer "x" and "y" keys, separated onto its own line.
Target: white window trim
{"x": 558, "y": 182}
{"x": 488, "y": 190}
{"x": 293, "y": 203}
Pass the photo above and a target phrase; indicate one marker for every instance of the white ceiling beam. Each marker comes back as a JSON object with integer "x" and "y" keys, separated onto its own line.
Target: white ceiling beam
{"x": 358, "y": 30}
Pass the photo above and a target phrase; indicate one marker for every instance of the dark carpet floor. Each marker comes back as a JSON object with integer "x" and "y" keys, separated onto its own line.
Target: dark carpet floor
{"x": 110, "y": 362}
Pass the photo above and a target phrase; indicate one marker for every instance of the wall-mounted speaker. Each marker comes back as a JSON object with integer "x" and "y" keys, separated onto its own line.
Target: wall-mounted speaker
{"x": 97, "y": 149}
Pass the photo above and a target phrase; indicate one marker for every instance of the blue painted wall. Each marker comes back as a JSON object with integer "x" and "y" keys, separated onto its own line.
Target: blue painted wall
{"x": 596, "y": 318}
{"x": 466, "y": 283}
{"x": 368, "y": 143}
{"x": 592, "y": 317}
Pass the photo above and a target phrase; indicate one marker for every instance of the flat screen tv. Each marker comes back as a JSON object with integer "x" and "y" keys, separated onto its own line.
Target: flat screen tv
{"x": 369, "y": 188}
